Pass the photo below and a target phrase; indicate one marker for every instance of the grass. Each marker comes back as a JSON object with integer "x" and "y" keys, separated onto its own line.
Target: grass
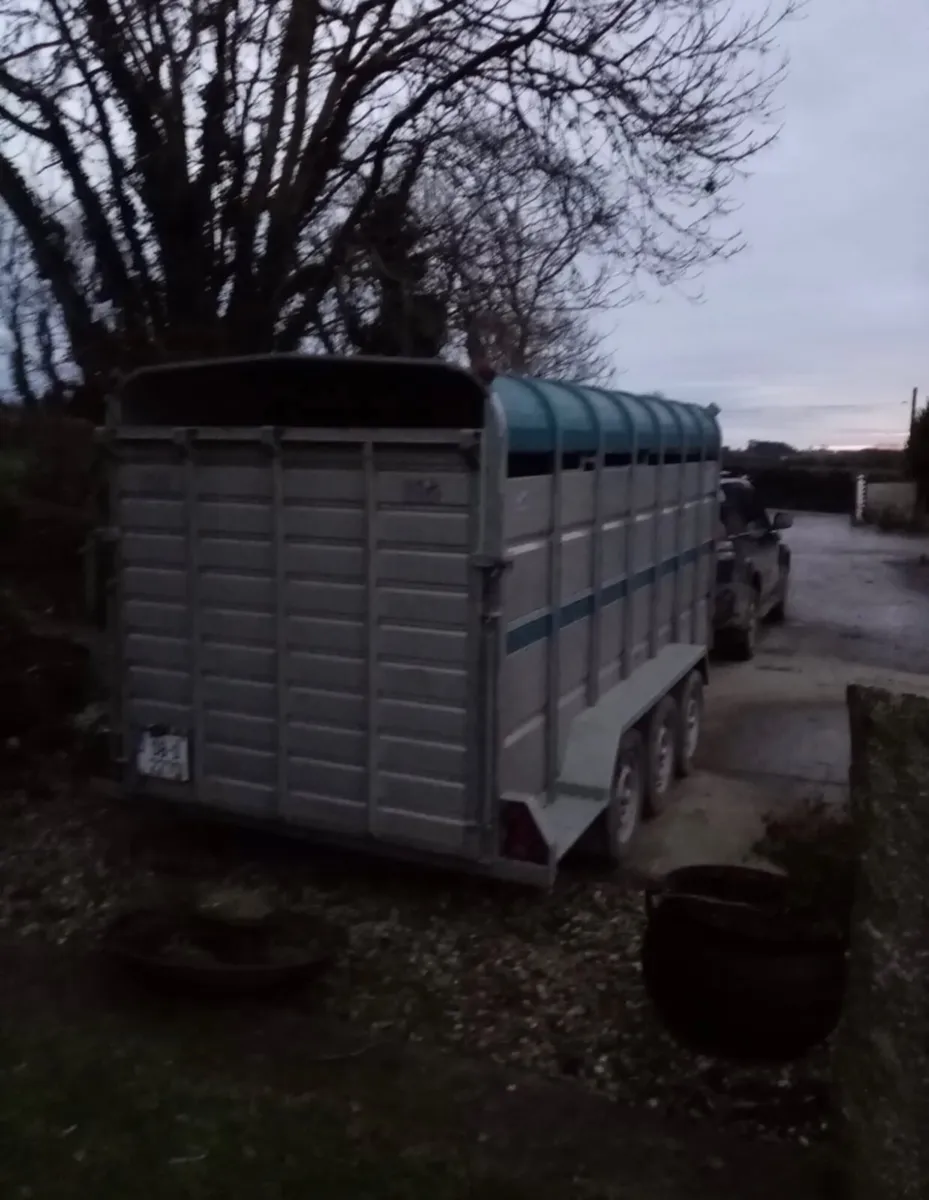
{"x": 184, "y": 1103}
{"x": 109, "y": 1093}
{"x": 84, "y": 1113}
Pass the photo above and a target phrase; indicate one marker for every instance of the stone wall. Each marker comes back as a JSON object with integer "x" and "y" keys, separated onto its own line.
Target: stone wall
{"x": 881, "y": 1063}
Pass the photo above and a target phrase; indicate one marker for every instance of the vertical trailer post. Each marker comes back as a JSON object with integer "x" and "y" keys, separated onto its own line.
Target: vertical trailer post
{"x": 492, "y": 649}
{"x": 701, "y": 540}
{"x": 657, "y": 511}
{"x": 627, "y": 633}
{"x": 114, "y": 639}
{"x": 553, "y": 645}
{"x": 675, "y": 631}
{"x": 371, "y": 628}
{"x": 595, "y": 639}
{"x": 272, "y": 441}
{"x": 185, "y": 439}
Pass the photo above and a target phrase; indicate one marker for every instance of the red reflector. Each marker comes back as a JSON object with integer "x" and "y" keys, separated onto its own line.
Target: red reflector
{"x": 521, "y": 839}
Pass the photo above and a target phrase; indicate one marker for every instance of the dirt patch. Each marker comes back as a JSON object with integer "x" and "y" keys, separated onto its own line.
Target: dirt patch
{"x": 544, "y": 983}
{"x": 816, "y": 848}
{"x": 717, "y": 819}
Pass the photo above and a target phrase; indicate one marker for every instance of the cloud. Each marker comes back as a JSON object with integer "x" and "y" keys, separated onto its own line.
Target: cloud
{"x": 820, "y": 329}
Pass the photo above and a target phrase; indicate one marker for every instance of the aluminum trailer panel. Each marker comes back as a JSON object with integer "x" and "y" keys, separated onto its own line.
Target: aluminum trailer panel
{"x": 373, "y": 602}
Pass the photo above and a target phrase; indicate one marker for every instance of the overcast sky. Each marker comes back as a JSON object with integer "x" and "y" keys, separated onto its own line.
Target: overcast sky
{"x": 817, "y": 333}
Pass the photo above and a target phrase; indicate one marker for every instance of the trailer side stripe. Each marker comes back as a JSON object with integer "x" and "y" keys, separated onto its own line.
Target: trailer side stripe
{"x": 537, "y": 629}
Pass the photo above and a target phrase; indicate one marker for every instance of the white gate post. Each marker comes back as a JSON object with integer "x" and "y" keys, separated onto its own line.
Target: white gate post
{"x": 861, "y": 499}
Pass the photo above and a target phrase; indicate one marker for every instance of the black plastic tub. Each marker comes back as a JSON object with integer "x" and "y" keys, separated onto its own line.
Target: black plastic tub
{"x": 735, "y": 970}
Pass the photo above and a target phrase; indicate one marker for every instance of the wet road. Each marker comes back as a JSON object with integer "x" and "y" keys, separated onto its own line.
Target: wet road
{"x": 856, "y": 594}
{"x": 776, "y": 737}
{"x": 859, "y": 602}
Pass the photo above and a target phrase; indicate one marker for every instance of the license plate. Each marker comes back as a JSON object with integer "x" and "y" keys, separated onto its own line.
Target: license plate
{"x": 164, "y": 756}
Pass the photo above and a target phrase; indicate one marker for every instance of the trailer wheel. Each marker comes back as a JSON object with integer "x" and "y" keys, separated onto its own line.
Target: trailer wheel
{"x": 690, "y": 723}
{"x": 661, "y": 754}
{"x": 627, "y": 796}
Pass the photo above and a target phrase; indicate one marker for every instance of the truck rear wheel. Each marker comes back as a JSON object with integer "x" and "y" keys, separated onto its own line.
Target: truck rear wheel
{"x": 778, "y": 613}
{"x": 744, "y": 640}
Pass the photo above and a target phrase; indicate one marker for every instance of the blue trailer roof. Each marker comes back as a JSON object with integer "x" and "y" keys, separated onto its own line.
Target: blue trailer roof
{"x": 537, "y": 410}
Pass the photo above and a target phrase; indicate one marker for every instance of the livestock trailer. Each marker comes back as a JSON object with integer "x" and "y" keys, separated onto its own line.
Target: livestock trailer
{"x": 380, "y": 602}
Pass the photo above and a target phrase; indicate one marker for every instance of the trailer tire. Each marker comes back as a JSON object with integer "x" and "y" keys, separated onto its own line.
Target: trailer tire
{"x": 690, "y": 722}
{"x": 627, "y": 795}
{"x": 661, "y": 755}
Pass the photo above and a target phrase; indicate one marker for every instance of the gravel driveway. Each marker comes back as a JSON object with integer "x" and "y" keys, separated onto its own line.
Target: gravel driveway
{"x": 549, "y": 983}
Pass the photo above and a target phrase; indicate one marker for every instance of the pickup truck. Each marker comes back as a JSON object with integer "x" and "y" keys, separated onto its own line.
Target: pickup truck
{"x": 752, "y": 568}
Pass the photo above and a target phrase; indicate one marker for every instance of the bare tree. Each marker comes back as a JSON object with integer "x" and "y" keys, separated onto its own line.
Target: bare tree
{"x": 513, "y": 252}
{"x": 547, "y": 343}
{"x": 478, "y": 258}
{"x": 220, "y": 156}
{"x": 386, "y": 298}
{"x": 421, "y": 283}
{"x": 37, "y": 346}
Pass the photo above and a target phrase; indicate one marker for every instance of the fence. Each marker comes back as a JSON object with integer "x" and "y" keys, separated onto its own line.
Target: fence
{"x": 809, "y": 489}
{"x": 897, "y": 497}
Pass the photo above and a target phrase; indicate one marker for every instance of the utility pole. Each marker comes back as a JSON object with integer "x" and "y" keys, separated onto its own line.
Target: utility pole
{"x": 913, "y": 410}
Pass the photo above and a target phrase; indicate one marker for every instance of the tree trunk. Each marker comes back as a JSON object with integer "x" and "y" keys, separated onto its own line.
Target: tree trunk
{"x": 881, "y": 1060}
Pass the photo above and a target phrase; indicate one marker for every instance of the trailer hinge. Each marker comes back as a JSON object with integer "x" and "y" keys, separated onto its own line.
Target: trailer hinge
{"x": 492, "y": 571}
{"x": 470, "y": 447}
{"x": 491, "y": 565}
